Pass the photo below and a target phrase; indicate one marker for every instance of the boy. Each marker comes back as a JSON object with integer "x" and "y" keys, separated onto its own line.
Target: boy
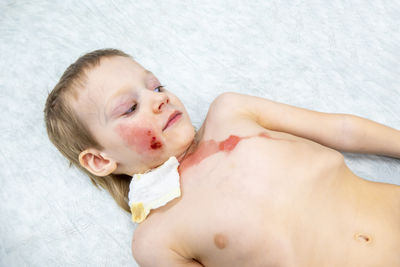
{"x": 261, "y": 183}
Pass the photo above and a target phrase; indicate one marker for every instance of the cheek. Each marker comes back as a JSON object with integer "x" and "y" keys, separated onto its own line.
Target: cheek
{"x": 140, "y": 139}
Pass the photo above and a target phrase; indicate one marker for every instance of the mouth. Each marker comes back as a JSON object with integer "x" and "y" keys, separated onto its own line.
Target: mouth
{"x": 174, "y": 117}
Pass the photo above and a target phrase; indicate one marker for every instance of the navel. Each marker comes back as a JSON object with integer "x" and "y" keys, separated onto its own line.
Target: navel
{"x": 220, "y": 241}
{"x": 361, "y": 237}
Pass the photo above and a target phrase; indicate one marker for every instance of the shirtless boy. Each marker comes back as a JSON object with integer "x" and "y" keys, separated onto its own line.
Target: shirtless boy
{"x": 262, "y": 183}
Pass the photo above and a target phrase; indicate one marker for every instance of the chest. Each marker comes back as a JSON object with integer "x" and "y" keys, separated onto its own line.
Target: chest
{"x": 235, "y": 205}
{"x": 258, "y": 171}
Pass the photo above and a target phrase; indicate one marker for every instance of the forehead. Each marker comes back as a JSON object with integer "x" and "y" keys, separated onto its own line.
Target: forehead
{"x": 113, "y": 71}
{"x": 103, "y": 80}
{"x": 109, "y": 76}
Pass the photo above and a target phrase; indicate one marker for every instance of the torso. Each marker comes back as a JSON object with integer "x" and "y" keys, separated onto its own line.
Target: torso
{"x": 274, "y": 199}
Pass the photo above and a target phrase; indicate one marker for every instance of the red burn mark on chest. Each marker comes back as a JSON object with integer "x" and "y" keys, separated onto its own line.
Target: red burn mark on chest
{"x": 204, "y": 150}
{"x": 140, "y": 139}
{"x": 210, "y": 147}
{"x": 229, "y": 144}
{"x": 263, "y": 134}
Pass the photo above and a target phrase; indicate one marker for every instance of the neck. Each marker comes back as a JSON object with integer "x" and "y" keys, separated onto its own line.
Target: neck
{"x": 192, "y": 147}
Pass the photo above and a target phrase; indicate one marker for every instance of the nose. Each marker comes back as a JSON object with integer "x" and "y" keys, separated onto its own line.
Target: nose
{"x": 159, "y": 102}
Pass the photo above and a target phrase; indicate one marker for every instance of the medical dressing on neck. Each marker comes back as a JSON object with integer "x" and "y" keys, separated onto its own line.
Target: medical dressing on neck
{"x": 153, "y": 189}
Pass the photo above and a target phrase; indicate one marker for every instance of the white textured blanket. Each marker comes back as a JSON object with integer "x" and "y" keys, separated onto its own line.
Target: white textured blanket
{"x": 334, "y": 56}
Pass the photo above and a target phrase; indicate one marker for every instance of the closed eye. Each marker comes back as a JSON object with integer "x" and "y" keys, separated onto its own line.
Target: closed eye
{"x": 159, "y": 89}
{"x": 131, "y": 109}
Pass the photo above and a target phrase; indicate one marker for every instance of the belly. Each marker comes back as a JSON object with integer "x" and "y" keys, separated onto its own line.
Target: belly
{"x": 356, "y": 224}
{"x": 265, "y": 205}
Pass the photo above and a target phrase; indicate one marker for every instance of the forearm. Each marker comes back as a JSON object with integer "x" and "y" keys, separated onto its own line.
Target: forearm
{"x": 365, "y": 136}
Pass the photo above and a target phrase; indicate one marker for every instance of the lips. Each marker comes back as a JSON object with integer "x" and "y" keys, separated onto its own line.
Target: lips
{"x": 172, "y": 119}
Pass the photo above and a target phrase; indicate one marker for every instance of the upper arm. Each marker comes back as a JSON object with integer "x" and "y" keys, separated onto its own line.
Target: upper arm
{"x": 149, "y": 254}
{"x": 324, "y": 128}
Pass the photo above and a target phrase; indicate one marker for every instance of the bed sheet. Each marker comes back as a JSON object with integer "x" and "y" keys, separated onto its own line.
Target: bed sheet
{"x": 332, "y": 56}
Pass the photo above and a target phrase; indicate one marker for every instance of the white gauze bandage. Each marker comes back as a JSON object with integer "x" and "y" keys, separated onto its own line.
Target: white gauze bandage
{"x": 153, "y": 189}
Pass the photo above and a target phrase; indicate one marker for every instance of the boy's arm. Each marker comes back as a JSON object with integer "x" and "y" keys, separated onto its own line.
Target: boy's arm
{"x": 157, "y": 261}
{"x": 339, "y": 131}
{"x": 366, "y": 136}
{"x": 147, "y": 255}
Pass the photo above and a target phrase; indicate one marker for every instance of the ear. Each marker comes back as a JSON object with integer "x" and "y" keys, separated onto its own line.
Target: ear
{"x": 97, "y": 162}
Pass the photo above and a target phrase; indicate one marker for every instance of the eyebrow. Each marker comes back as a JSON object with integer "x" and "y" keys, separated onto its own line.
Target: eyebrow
{"x": 118, "y": 93}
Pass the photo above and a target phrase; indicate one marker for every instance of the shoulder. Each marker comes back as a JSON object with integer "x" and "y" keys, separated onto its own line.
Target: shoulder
{"x": 227, "y": 104}
{"x": 152, "y": 248}
{"x": 230, "y": 113}
{"x": 153, "y": 240}
{"x": 146, "y": 246}
{"x": 232, "y": 105}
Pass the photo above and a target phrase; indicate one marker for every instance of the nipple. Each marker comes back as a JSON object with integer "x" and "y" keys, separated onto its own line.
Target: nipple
{"x": 220, "y": 241}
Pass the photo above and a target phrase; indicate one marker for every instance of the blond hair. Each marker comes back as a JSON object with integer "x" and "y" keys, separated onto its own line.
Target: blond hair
{"x": 69, "y": 134}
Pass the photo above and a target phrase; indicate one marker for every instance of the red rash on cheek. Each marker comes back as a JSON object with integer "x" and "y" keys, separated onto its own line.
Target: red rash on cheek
{"x": 154, "y": 144}
{"x": 138, "y": 138}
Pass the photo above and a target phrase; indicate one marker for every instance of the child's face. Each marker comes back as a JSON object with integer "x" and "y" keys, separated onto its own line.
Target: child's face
{"x": 139, "y": 124}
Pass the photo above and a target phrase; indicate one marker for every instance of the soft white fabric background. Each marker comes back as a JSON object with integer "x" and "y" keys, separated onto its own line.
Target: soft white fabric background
{"x": 334, "y": 56}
